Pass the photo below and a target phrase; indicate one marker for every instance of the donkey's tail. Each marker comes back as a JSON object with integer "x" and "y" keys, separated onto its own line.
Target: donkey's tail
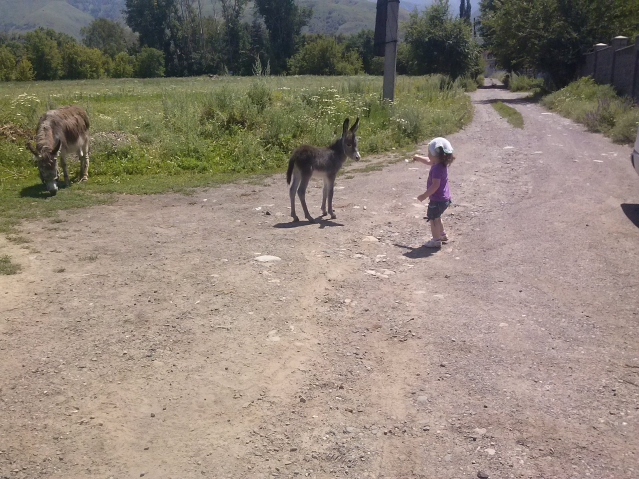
{"x": 289, "y": 172}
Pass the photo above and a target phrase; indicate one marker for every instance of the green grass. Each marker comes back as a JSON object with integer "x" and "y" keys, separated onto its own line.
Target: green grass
{"x": 598, "y": 107}
{"x": 510, "y": 114}
{"x": 7, "y": 266}
{"x": 516, "y": 82}
{"x": 152, "y": 136}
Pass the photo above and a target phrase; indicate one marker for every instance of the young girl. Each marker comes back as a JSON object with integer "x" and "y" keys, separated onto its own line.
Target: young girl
{"x": 440, "y": 156}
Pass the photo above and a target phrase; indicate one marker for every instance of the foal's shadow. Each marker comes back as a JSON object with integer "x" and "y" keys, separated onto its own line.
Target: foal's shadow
{"x": 318, "y": 221}
{"x": 417, "y": 253}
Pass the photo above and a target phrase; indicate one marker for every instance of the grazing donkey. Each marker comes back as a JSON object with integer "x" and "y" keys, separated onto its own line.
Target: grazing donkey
{"x": 61, "y": 131}
{"x": 307, "y": 160}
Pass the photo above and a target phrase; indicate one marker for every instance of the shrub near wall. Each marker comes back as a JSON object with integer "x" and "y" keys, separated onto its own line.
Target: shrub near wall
{"x": 598, "y": 107}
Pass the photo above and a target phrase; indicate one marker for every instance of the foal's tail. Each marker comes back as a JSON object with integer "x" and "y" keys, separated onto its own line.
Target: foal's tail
{"x": 289, "y": 172}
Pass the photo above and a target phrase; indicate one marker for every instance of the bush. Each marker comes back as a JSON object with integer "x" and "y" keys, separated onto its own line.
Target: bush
{"x": 123, "y": 66}
{"x": 7, "y": 64}
{"x": 524, "y": 83}
{"x": 24, "y": 71}
{"x": 324, "y": 56}
{"x": 150, "y": 63}
{"x": 598, "y": 107}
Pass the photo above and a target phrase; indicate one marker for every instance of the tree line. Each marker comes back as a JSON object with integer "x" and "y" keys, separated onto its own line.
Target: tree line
{"x": 173, "y": 38}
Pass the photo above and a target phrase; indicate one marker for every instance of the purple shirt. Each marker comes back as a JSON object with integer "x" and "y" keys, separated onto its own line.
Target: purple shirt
{"x": 443, "y": 192}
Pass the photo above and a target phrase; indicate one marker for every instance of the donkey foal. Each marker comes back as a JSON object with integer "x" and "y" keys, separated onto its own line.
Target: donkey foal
{"x": 327, "y": 162}
{"x": 63, "y": 131}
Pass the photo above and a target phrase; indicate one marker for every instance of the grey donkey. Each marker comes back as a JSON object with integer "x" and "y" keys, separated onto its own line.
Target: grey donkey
{"x": 307, "y": 160}
{"x": 60, "y": 132}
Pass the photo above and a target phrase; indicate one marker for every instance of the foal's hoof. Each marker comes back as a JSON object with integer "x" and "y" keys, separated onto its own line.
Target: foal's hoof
{"x": 295, "y": 219}
{"x": 83, "y": 179}
{"x": 333, "y": 216}
{"x": 324, "y": 213}
{"x": 310, "y": 220}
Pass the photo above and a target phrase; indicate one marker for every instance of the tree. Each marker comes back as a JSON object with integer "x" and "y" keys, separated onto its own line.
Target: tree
{"x": 437, "y": 43}
{"x": 166, "y": 25}
{"x": 7, "y": 64}
{"x": 363, "y": 42}
{"x": 123, "y": 66}
{"x": 150, "y": 63}
{"x": 322, "y": 55}
{"x": 284, "y": 21}
{"x": 82, "y": 63}
{"x": 465, "y": 10}
{"x": 551, "y": 36}
{"x": 43, "y": 54}
{"x": 235, "y": 33}
{"x": 108, "y": 36}
{"x": 24, "y": 71}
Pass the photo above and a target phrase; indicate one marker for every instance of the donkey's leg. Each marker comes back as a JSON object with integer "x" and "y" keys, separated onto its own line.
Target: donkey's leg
{"x": 324, "y": 195}
{"x": 84, "y": 163}
{"x": 331, "y": 185}
{"x": 295, "y": 183}
{"x": 302, "y": 194}
{"x": 65, "y": 170}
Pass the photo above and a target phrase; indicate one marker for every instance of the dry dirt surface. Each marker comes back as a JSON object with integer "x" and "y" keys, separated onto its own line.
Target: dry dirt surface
{"x": 146, "y": 339}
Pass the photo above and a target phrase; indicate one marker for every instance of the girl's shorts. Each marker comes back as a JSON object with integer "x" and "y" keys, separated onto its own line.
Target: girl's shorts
{"x": 436, "y": 209}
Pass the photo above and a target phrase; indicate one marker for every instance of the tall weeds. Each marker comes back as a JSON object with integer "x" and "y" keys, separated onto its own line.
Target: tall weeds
{"x": 200, "y": 126}
{"x": 598, "y": 107}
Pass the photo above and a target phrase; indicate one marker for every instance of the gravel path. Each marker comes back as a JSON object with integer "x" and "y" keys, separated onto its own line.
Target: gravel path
{"x": 144, "y": 339}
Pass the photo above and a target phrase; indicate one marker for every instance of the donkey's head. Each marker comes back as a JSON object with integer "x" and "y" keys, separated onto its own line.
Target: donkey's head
{"x": 350, "y": 140}
{"x": 47, "y": 161}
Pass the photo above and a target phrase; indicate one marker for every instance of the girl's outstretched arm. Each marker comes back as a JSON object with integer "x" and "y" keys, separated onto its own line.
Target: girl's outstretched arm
{"x": 422, "y": 159}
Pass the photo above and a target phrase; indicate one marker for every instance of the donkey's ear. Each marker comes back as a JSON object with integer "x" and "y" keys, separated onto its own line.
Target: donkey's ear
{"x": 345, "y": 128}
{"x": 31, "y": 149}
{"x": 56, "y": 148}
{"x": 355, "y": 126}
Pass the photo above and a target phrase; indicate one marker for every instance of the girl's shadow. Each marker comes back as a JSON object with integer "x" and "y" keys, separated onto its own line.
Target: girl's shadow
{"x": 417, "y": 253}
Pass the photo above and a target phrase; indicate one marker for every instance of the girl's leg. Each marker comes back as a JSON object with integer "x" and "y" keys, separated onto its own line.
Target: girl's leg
{"x": 436, "y": 228}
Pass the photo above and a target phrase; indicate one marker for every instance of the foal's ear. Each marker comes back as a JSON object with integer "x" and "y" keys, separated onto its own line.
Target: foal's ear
{"x": 355, "y": 126}
{"x": 31, "y": 149}
{"x": 345, "y": 128}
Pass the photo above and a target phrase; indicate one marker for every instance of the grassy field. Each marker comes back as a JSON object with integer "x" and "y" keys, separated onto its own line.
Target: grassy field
{"x": 598, "y": 107}
{"x": 150, "y": 136}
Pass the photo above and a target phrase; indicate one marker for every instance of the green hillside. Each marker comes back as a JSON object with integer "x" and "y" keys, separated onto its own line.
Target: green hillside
{"x": 25, "y": 15}
{"x": 329, "y": 16}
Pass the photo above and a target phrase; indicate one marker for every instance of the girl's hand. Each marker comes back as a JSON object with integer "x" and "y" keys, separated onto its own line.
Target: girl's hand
{"x": 422, "y": 197}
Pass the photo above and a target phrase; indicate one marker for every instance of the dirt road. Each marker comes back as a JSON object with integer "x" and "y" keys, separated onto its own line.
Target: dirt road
{"x": 144, "y": 339}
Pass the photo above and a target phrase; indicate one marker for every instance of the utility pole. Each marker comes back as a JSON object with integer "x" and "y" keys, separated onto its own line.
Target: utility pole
{"x": 386, "y": 26}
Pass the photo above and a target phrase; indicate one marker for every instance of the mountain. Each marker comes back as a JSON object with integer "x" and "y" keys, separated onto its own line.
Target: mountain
{"x": 69, "y": 16}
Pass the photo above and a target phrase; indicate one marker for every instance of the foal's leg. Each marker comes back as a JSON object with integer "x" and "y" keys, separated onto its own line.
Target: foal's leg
{"x": 295, "y": 183}
{"x": 324, "y": 195}
{"x": 302, "y": 194}
{"x": 330, "y": 185}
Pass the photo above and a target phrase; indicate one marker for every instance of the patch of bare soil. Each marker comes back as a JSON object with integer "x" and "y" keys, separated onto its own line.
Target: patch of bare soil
{"x": 148, "y": 339}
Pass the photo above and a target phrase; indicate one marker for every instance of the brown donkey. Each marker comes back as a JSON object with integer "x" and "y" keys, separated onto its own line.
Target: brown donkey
{"x": 326, "y": 162}
{"x": 60, "y": 132}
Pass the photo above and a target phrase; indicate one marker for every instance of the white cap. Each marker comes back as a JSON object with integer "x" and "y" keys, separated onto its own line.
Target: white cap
{"x": 436, "y": 143}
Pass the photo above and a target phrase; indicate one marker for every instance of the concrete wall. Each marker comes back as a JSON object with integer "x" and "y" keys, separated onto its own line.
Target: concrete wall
{"x": 616, "y": 64}
{"x": 588, "y": 66}
{"x": 603, "y": 70}
{"x": 624, "y": 69}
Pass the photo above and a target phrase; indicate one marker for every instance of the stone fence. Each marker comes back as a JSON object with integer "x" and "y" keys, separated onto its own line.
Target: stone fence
{"x": 616, "y": 64}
